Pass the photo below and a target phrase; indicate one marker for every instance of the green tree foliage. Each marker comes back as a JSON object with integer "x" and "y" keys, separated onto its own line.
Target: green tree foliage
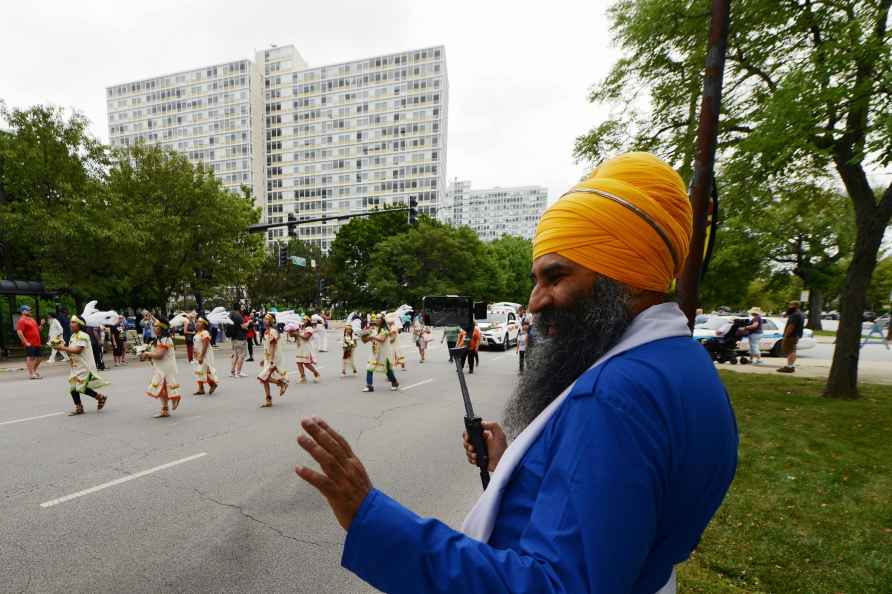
{"x": 513, "y": 259}
{"x": 286, "y": 287}
{"x": 881, "y": 287}
{"x": 185, "y": 229}
{"x": 808, "y": 93}
{"x": 351, "y": 254}
{"x": 54, "y": 216}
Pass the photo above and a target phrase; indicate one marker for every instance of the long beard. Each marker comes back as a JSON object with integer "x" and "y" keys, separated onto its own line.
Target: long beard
{"x": 583, "y": 334}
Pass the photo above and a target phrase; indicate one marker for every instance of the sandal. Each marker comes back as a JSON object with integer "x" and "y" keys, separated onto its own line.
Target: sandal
{"x": 213, "y": 389}
{"x": 176, "y": 403}
{"x": 282, "y": 388}
{"x": 100, "y": 402}
{"x": 78, "y": 410}
{"x": 162, "y": 415}
{"x": 199, "y": 393}
{"x": 267, "y": 404}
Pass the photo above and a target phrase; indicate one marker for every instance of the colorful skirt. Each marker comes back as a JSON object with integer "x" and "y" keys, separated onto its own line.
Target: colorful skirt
{"x": 159, "y": 387}
{"x": 271, "y": 373}
{"x": 204, "y": 372}
{"x": 86, "y": 379}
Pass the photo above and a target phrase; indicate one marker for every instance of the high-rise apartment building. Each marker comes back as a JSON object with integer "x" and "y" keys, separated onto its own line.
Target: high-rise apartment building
{"x": 313, "y": 142}
{"x": 494, "y": 212}
{"x": 210, "y": 114}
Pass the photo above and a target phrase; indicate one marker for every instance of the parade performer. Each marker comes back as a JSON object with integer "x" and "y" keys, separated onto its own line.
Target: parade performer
{"x": 164, "y": 385}
{"x": 395, "y": 325}
{"x": 53, "y": 334}
{"x": 203, "y": 364}
{"x": 306, "y": 360}
{"x": 381, "y": 337}
{"x": 320, "y": 336}
{"x": 421, "y": 332}
{"x": 272, "y": 368}
{"x": 348, "y": 343}
{"x": 82, "y": 377}
{"x": 624, "y": 441}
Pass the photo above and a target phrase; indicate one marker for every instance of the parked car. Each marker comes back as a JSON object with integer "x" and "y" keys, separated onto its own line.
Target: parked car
{"x": 499, "y": 329}
{"x": 772, "y": 337}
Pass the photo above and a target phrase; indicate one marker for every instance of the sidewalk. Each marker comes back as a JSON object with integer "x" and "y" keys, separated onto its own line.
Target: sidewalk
{"x": 869, "y": 372}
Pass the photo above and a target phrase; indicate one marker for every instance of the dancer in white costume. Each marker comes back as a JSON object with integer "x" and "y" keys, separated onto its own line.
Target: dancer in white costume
{"x": 203, "y": 359}
{"x": 272, "y": 368}
{"x": 82, "y": 378}
{"x": 164, "y": 385}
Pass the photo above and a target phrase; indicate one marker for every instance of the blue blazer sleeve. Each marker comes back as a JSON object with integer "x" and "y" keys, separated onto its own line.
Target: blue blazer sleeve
{"x": 592, "y": 527}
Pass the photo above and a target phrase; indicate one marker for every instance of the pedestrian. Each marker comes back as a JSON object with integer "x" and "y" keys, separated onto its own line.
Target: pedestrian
{"x": 189, "y": 330}
{"x": 792, "y": 334}
{"x": 450, "y": 335}
{"x": 117, "y": 340}
{"x": 382, "y": 338}
{"x": 215, "y": 334}
{"x": 471, "y": 355}
{"x": 163, "y": 385}
{"x": 250, "y": 333}
{"x": 754, "y": 335}
{"x": 623, "y": 441}
{"x": 203, "y": 365}
{"x": 258, "y": 328}
{"x": 29, "y": 335}
{"x": 272, "y": 369}
{"x": 82, "y": 376}
{"x": 54, "y": 334}
{"x": 523, "y": 340}
{"x": 876, "y": 328}
{"x": 305, "y": 358}
{"x": 64, "y": 322}
{"x": 348, "y": 345}
{"x": 237, "y": 335}
{"x": 147, "y": 325}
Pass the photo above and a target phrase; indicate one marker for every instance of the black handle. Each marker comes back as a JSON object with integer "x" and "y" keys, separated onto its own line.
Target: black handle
{"x": 474, "y": 427}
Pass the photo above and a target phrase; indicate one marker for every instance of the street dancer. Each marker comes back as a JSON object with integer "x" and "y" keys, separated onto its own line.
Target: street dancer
{"x": 82, "y": 377}
{"x": 395, "y": 325}
{"x": 272, "y": 369}
{"x": 55, "y": 331}
{"x": 422, "y": 334}
{"x": 382, "y": 355}
{"x": 164, "y": 385}
{"x": 348, "y": 344}
{"x": 204, "y": 365}
{"x": 305, "y": 358}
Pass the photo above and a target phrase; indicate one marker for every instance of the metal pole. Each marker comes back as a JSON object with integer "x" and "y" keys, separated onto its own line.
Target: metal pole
{"x": 707, "y": 134}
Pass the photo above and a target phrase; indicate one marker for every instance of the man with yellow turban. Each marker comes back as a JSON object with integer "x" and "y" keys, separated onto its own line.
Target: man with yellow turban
{"x": 623, "y": 440}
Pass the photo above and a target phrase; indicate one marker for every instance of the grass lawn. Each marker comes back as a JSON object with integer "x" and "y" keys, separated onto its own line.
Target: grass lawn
{"x": 810, "y": 509}
{"x": 825, "y": 333}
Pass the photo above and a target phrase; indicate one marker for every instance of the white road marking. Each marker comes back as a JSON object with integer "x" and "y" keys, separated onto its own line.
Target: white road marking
{"x": 421, "y": 383}
{"x": 123, "y": 479}
{"x": 32, "y": 418}
{"x": 501, "y": 356}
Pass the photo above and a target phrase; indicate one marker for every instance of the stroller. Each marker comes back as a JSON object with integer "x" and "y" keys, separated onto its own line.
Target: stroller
{"x": 724, "y": 348}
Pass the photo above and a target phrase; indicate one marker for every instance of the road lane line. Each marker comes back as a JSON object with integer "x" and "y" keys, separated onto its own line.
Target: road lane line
{"x": 32, "y": 418}
{"x": 421, "y": 383}
{"x": 123, "y": 479}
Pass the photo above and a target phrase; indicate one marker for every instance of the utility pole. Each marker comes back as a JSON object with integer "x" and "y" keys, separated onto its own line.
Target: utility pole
{"x": 704, "y": 162}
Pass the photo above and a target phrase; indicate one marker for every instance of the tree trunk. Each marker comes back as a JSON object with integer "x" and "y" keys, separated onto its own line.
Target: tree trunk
{"x": 815, "y": 309}
{"x": 871, "y": 225}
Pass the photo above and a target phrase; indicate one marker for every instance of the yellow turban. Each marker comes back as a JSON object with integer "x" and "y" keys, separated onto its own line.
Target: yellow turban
{"x": 629, "y": 220}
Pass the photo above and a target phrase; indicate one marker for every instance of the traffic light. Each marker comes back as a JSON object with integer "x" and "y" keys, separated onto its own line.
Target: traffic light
{"x": 413, "y": 210}
{"x": 283, "y": 254}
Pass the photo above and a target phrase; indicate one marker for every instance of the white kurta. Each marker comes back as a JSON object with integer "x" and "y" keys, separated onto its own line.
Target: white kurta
{"x": 305, "y": 339}
{"x": 205, "y": 371}
{"x": 82, "y": 374}
{"x": 271, "y": 368}
{"x": 165, "y": 375}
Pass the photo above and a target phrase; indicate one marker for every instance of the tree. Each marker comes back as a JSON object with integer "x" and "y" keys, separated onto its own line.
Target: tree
{"x": 290, "y": 286}
{"x": 808, "y": 92}
{"x": 513, "y": 256}
{"x": 54, "y": 216}
{"x": 432, "y": 259}
{"x": 351, "y": 253}
{"x": 186, "y": 230}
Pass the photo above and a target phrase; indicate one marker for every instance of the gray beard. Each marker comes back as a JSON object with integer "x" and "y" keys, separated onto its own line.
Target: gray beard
{"x": 584, "y": 333}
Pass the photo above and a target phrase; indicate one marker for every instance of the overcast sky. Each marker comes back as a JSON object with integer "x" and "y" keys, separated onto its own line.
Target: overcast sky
{"x": 518, "y": 73}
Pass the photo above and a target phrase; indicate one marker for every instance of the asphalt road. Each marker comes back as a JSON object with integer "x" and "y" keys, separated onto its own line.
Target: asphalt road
{"x": 225, "y": 511}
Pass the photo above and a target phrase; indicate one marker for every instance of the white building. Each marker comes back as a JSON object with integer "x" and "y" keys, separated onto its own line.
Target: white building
{"x": 312, "y": 142}
{"x": 494, "y": 212}
{"x": 210, "y": 114}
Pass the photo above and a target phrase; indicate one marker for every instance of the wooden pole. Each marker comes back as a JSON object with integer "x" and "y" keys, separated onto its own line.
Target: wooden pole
{"x": 707, "y": 134}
